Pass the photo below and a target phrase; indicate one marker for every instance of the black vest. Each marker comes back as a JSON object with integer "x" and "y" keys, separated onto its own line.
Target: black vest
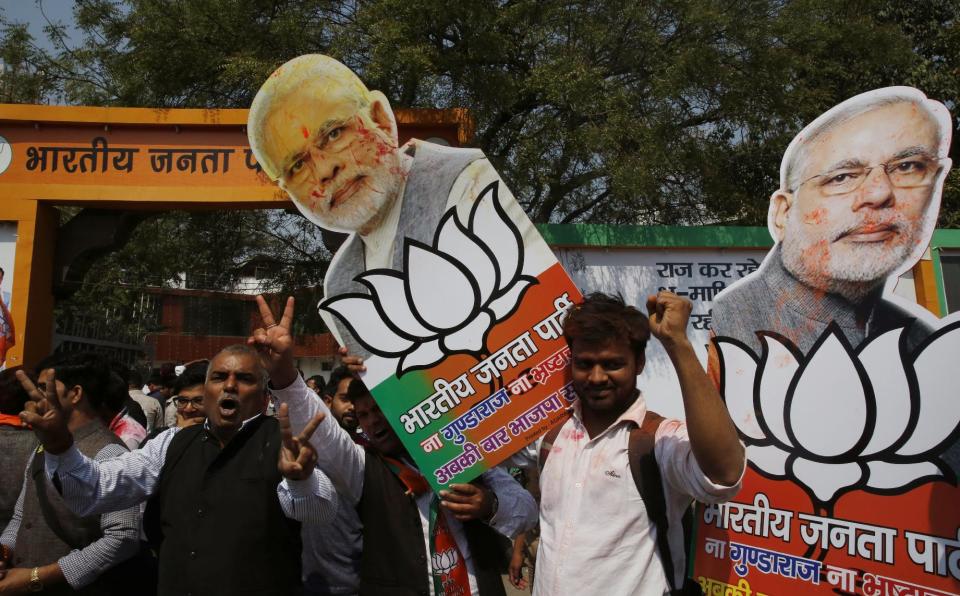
{"x": 223, "y": 531}
{"x": 394, "y": 562}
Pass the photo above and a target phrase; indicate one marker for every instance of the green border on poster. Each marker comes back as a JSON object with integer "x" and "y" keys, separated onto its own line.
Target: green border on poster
{"x": 607, "y": 236}
{"x": 942, "y": 239}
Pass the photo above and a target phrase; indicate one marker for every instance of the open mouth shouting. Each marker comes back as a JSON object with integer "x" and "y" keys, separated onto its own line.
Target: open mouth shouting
{"x": 228, "y": 406}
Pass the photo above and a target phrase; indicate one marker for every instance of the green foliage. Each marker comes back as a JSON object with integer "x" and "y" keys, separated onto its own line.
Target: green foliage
{"x": 212, "y": 251}
{"x": 654, "y": 112}
{"x": 669, "y": 111}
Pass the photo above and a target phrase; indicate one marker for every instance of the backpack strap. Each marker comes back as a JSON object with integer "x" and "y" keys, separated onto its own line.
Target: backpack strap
{"x": 646, "y": 475}
{"x": 547, "y": 444}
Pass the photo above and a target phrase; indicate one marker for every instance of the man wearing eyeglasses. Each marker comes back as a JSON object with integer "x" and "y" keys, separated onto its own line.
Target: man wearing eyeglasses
{"x": 858, "y": 200}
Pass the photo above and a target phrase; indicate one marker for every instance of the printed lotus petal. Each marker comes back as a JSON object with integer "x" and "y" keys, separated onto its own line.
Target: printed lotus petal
{"x": 881, "y": 359}
{"x": 503, "y": 305}
{"x": 887, "y": 475}
{"x": 824, "y": 480}
{"x": 778, "y": 370}
{"x": 442, "y": 293}
{"x": 461, "y": 245}
{"x": 470, "y": 338}
{"x": 425, "y": 355}
{"x": 828, "y": 414}
{"x": 739, "y": 370}
{"x": 359, "y": 314}
{"x": 491, "y": 225}
{"x": 390, "y": 293}
{"x": 769, "y": 458}
{"x": 939, "y": 401}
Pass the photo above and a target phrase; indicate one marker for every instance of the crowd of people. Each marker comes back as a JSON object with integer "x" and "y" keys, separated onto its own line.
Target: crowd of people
{"x": 262, "y": 482}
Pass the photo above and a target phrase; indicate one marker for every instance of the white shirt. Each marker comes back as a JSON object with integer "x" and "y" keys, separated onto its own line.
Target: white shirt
{"x": 344, "y": 462}
{"x": 595, "y": 535}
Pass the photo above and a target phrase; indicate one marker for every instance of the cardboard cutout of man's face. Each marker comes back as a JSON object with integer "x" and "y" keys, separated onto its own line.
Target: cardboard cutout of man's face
{"x": 330, "y": 143}
{"x": 836, "y": 240}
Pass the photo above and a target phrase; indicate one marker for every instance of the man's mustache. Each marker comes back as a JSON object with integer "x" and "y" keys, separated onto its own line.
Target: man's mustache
{"x": 867, "y": 226}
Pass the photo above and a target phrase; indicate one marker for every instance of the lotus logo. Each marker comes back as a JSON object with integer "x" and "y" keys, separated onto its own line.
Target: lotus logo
{"x": 444, "y": 561}
{"x": 840, "y": 419}
{"x": 449, "y": 294}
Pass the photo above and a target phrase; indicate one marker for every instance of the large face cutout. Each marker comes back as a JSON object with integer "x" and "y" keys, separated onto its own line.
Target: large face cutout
{"x": 861, "y": 207}
{"x": 337, "y": 159}
{"x": 840, "y": 384}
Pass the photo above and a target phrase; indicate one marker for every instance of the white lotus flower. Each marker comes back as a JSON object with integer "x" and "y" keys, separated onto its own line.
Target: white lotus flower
{"x": 444, "y": 561}
{"x": 840, "y": 419}
{"x": 449, "y": 294}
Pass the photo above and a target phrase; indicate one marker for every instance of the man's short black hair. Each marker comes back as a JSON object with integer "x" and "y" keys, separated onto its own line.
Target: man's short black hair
{"x": 603, "y": 318}
{"x": 319, "y": 380}
{"x": 117, "y": 392}
{"x": 89, "y": 370}
{"x": 356, "y": 390}
{"x": 194, "y": 374}
{"x": 13, "y": 397}
{"x": 135, "y": 379}
{"x": 340, "y": 373}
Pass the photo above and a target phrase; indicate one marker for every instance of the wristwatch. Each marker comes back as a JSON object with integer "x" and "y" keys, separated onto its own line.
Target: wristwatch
{"x": 35, "y": 584}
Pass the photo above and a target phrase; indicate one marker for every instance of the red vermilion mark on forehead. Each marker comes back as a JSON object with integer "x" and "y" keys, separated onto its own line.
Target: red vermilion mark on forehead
{"x": 304, "y": 132}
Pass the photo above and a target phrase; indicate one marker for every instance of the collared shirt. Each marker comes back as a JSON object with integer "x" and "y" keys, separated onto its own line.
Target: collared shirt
{"x": 120, "y": 540}
{"x": 595, "y": 535}
{"x": 90, "y": 486}
{"x": 345, "y": 461}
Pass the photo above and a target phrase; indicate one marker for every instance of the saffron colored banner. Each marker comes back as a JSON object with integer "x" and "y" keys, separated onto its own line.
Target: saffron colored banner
{"x": 844, "y": 394}
{"x": 491, "y": 374}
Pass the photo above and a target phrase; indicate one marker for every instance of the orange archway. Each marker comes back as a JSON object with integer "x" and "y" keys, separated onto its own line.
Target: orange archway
{"x": 131, "y": 158}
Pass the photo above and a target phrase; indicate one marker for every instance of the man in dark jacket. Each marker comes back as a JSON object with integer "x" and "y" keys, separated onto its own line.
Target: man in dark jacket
{"x": 228, "y": 493}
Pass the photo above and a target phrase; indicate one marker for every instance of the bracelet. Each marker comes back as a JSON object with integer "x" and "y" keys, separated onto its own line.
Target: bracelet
{"x": 35, "y": 584}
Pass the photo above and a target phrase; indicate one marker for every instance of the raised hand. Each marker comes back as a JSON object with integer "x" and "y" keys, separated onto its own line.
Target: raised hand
{"x": 668, "y": 314}
{"x": 275, "y": 343}
{"x": 469, "y": 501}
{"x": 45, "y": 415}
{"x": 353, "y": 363}
{"x": 298, "y": 458}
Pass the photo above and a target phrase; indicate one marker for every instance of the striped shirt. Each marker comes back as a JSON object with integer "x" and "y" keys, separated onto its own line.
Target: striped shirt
{"x": 129, "y": 479}
{"x": 120, "y": 540}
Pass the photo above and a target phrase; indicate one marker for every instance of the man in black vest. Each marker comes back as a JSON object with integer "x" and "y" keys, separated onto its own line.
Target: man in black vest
{"x": 400, "y": 515}
{"x": 227, "y": 492}
{"x": 51, "y": 549}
